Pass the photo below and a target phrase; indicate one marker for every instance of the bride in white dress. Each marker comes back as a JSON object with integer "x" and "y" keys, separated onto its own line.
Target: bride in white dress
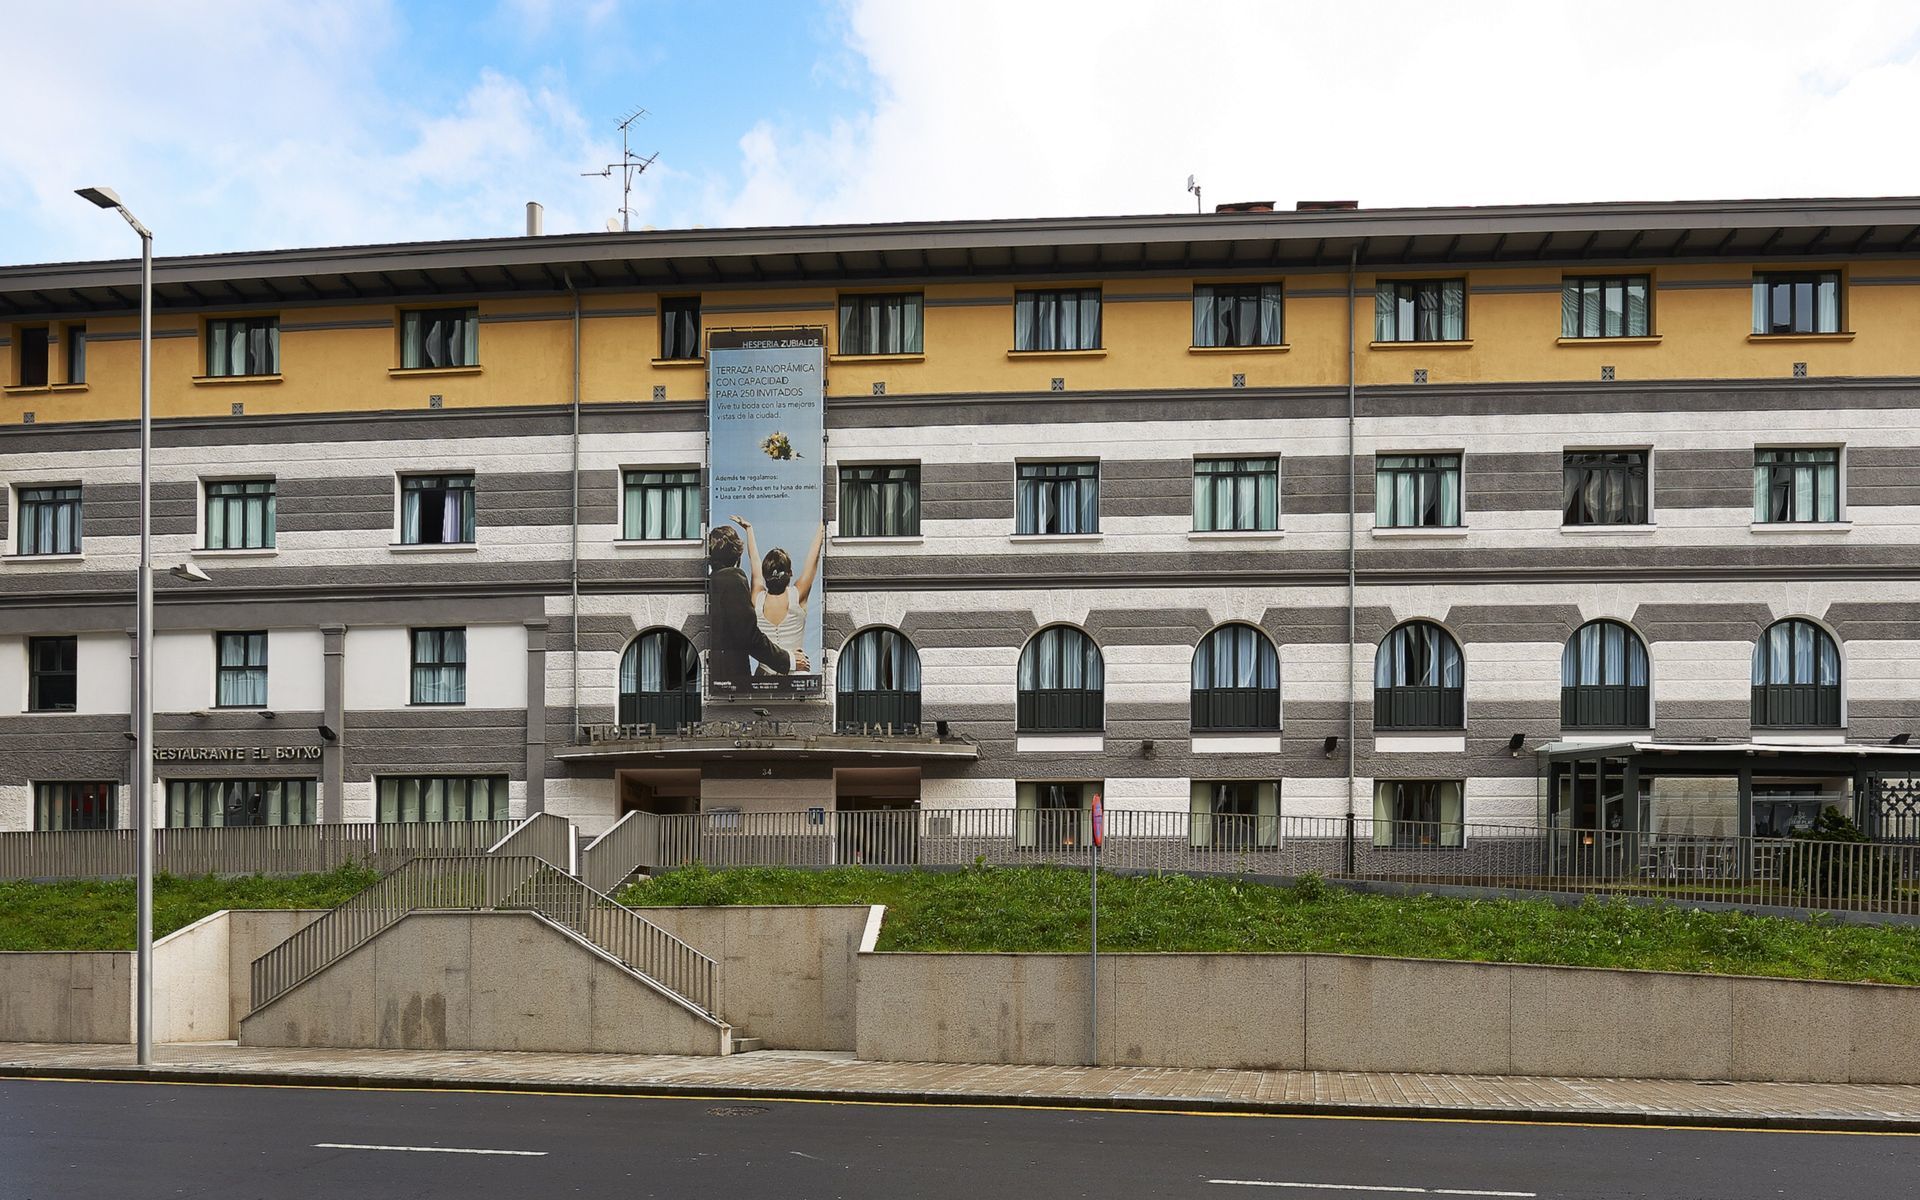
{"x": 779, "y": 599}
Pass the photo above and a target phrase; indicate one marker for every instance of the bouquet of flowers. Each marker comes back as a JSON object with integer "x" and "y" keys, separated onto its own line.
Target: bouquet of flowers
{"x": 778, "y": 446}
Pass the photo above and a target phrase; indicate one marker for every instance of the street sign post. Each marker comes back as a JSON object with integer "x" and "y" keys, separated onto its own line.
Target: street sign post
{"x": 1099, "y": 816}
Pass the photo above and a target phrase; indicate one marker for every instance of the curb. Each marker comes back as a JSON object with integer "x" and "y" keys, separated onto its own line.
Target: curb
{"x": 1779, "y": 1122}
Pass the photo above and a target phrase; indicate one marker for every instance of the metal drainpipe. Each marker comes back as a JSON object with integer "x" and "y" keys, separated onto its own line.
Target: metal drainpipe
{"x": 573, "y": 569}
{"x": 1353, "y": 682}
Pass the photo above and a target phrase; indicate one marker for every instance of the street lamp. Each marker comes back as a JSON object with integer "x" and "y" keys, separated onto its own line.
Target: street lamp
{"x": 143, "y": 645}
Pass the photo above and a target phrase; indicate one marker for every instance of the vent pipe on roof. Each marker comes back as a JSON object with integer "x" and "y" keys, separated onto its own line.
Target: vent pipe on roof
{"x": 534, "y": 213}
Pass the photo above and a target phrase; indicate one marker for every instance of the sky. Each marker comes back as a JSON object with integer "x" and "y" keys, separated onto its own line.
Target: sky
{"x": 285, "y": 123}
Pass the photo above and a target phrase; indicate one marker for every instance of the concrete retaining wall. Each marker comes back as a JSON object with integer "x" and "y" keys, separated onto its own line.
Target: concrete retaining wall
{"x": 251, "y": 933}
{"x": 66, "y": 996}
{"x": 784, "y": 973}
{"x": 1342, "y": 1013}
{"x": 481, "y": 981}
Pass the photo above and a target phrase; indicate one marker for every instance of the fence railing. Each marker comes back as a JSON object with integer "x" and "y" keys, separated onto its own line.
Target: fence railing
{"x": 631, "y": 844}
{"x": 240, "y": 849}
{"x": 544, "y": 836}
{"x": 486, "y": 881}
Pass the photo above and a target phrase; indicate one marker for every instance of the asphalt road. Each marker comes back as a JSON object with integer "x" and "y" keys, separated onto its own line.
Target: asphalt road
{"x": 61, "y": 1139}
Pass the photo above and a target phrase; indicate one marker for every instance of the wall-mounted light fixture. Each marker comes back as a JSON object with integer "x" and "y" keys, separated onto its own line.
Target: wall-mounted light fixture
{"x": 327, "y": 734}
{"x": 1516, "y": 743}
{"x": 1331, "y": 744}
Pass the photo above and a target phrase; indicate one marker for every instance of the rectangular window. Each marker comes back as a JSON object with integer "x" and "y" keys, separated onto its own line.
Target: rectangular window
{"x": 440, "y": 337}
{"x": 881, "y": 324}
{"x": 204, "y": 803}
{"x": 439, "y": 666}
{"x": 53, "y": 672}
{"x": 1796, "y": 485}
{"x": 1420, "y": 310}
{"x": 243, "y": 346}
{"x": 240, "y": 679}
{"x": 680, "y": 327}
{"x": 1235, "y": 814}
{"x": 1236, "y": 494}
{"x": 411, "y": 798}
{"x": 1797, "y": 302}
{"x": 1605, "y": 307}
{"x": 436, "y": 510}
{"x": 1417, "y": 814}
{"x": 50, "y": 520}
{"x": 240, "y": 514}
{"x": 1604, "y": 487}
{"x": 1066, "y": 319}
{"x": 1416, "y": 491}
{"x": 661, "y": 505}
{"x": 1241, "y": 315}
{"x": 1053, "y": 816}
{"x": 880, "y": 501}
{"x": 1057, "y": 498}
{"x": 64, "y": 806}
{"x": 31, "y": 366}
{"x": 76, "y": 336}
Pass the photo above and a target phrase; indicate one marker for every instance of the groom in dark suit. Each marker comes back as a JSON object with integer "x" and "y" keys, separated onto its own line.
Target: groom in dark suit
{"x": 735, "y": 634}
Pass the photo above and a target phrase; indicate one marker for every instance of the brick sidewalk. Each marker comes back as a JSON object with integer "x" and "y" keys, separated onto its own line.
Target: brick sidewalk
{"x": 776, "y": 1074}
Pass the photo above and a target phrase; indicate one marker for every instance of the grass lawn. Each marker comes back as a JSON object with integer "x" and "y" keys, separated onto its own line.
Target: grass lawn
{"x": 91, "y": 915}
{"x": 1045, "y": 908}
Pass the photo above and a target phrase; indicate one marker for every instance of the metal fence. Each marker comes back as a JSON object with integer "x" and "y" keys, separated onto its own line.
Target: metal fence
{"x": 478, "y": 882}
{"x": 545, "y": 837}
{"x": 611, "y": 858}
{"x": 240, "y": 849}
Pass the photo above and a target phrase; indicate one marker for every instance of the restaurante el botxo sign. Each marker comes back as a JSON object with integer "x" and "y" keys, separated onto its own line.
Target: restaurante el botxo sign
{"x": 236, "y": 754}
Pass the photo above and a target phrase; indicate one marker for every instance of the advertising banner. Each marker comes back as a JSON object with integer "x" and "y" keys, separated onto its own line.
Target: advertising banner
{"x": 766, "y": 515}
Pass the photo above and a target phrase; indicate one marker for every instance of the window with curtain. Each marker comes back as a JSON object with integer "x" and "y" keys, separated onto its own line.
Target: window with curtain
{"x": 1796, "y": 485}
{"x": 1234, "y": 814}
{"x": 49, "y": 519}
{"x": 206, "y": 803}
{"x": 1796, "y": 302}
{"x": 1236, "y": 682}
{"x": 241, "y": 514}
{"x": 1418, "y": 814}
{"x": 62, "y": 806}
{"x": 880, "y": 501}
{"x": 411, "y": 798}
{"x": 881, "y": 324}
{"x": 1604, "y": 487}
{"x": 1053, "y": 816}
{"x": 662, "y": 504}
{"x": 1420, "y": 310}
{"x": 1064, "y": 319}
{"x": 1057, "y": 498}
{"x": 1237, "y": 315}
{"x": 1796, "y": 677}
{"x": 439, "y": 666}
{"x": 679, "y": 328}
{"x": 1605, "y": 307}
{"x": 440, "y": 337}
{"x": 1603, "y": 679}
{"x": 1416, "y": 491}
{"x": 1236, "y": 494}
{"x": 76, "y": 336}
{"x": 30, "y": 355}
{"x": 436, "y": 510}
{"x": 877, "y": 680}
{"x": 243, "y": 346}
{"x": 53, "y": 673}
{"x": 1419, "y": 680}
{"x": 240, "y": 676}
{"x": 660, "y": 681}
{"x": 1062, "y": 686}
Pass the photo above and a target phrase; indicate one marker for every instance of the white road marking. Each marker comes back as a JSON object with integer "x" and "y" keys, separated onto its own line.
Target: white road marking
{"x": 427, "y": 1149}
{"x": 1372, "y": 1187}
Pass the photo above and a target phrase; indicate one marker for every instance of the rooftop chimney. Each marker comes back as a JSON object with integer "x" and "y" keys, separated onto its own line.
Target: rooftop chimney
{"x": 534, "y": 212}
{"x": 1326, "y": 205}
{"x": 1245, "y": 206}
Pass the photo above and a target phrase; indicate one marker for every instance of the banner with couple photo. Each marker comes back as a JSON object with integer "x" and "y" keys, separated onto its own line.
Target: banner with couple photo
{"x": 766, "y": 514}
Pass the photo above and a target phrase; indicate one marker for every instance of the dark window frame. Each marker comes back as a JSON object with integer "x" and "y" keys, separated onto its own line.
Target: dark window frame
{"x": 1234, "y": 707}
{"x": 680, "y": 329}
{"x": 1600, "y": 704}
{"x": 55, "y": 496}
{"x": 1432, "y": 705}
{"x": 448, "y": 485}
{"x": 66, "y": 667}
{"x": 243, "y": 674}
{"x": 1626, "y": 476}
{"x": 1048, "y": 481}
{"x": 80, "y": 805}
{"x": 670, "y": 706}
{"x": 1048, "y": 337}
{"x": 259, "y": 351}
{"x": 888, "y": 494}
{"x": 1424, "y": 324}
{"x": 677, "y": 485}
{"x": 388, "y": 799}
{"x": 432, "y": 654}
{"x": 1792, "y": 702}
{"x": 190, "y": 802}
{"x": 892, "y": 661}
{"x": 1235, "y": 307}
{"x": 1260, "y": 472}
{"x": 1426, "y": 829}
{"x": 1423, "y": 466}
{"x": 235, "y": 500}
{"x": 426, "y": 346}
{"x": 1784, "y": 467}
{"x": 33, "y": 356}
{"x": 1583, "y": 306}
{"x": 865, "y": 319}
{"x": 1800, "y": 291}
{"x": 73, "y": 341}
{"x": 1044, "y": 701}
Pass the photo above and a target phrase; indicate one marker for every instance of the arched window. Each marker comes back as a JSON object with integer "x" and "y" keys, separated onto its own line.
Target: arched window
{"x": 1796, "y": 677}
{"x": 1419, "y": 680}
{"x": 1236, "y": 681}
{"x": 660, "y": 681}
{"x": 1062, "y": 683}
{"x": 877, "y": 680}
{"x": 1603, "y": 679}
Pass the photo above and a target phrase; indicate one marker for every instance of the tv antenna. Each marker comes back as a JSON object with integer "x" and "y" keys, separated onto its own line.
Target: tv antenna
{"x": 1193, "y": 185}
{"x": 630, "y": 164}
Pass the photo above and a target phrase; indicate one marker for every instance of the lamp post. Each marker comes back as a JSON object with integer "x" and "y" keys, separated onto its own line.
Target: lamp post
{"x": 143, "y": 645}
